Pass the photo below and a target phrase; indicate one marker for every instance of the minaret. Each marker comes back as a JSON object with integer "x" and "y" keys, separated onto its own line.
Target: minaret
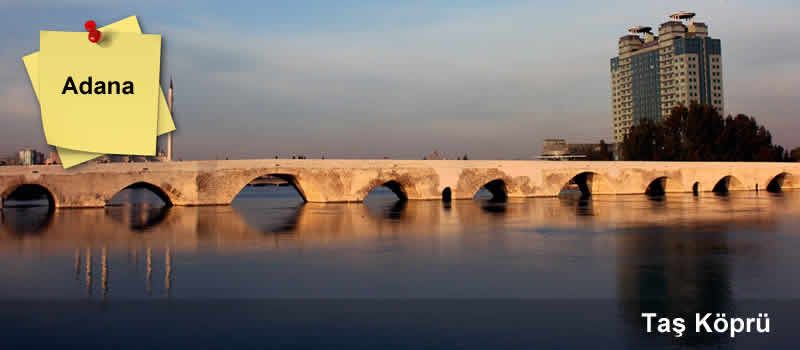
{"x": 171, "y": 111}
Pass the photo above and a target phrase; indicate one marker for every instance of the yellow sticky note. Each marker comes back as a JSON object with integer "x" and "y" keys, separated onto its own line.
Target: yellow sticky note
{"x": 70, "y": 157}
{"x": 100, "y": 97}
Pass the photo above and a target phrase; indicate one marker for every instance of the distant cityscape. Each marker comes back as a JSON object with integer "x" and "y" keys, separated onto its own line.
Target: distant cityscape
{"x": 30, "y": 156}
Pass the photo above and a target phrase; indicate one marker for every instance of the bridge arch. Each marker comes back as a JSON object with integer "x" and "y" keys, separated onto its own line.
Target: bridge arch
{"x": 395, "y": 186}
{"x": 157, "y": 190}
{"x": 657, "y": 187}
{"x": 588, "y": 182}
{"x": 447, "y": 194}
{"x": 497, "y": 187}
{"x": 29, "y": 191}
{"x": 291, "y": 179}
{"x": 781, "y": 181}
{"x": 728, "y": 183}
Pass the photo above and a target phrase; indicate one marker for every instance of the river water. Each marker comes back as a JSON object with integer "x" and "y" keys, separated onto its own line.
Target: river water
{"x": 271, "y": 272}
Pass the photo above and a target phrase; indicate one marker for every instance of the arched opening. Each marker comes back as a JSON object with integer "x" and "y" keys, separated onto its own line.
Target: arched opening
{"x": 657, "y": 187}
{"x": 580, "y": 185}
{"x": 388, "y": 200}
{"x": 387, "y": 192}
{"x": 727, "y": 184}
{"x": 271, "y": 203}
{"x": 28, "y": 196}
{"x": 780, "y": 182}
{"x": 493, "y": 191}
{"x": 140, "y": 194}
{"x": 271, "y": 191}
{"x": 696, "y": 188}
{"x": 28, "y": 209}
{"x": 447, "y": 195}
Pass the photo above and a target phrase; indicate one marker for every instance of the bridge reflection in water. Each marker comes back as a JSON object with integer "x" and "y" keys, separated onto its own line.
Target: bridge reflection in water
{"x": 288, "y": 223}
{"x": 670, "y": 255}
{"x": 273, "y": 222}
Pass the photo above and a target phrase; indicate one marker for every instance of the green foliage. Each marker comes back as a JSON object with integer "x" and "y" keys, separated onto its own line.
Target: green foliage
{"x": 699, "y": 133}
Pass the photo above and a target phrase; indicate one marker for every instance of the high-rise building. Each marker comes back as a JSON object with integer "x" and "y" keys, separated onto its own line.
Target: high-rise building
{"x": 29, "y": 156}
{"x": 652, "y": 74}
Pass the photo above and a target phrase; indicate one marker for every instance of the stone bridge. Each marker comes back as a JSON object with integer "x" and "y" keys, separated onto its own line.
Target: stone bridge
{"x": 328, "y": 180}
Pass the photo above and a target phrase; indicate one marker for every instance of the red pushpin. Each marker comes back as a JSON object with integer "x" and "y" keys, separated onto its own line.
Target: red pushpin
{"x": 94, "y": 34}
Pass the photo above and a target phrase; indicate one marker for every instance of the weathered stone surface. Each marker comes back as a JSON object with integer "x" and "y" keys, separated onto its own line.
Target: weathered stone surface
{"x": 330, "y": 180}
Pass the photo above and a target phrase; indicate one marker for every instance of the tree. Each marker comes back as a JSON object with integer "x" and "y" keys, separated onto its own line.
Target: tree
{"x": 699, "y": 133}
{"x": 794, "y": 156}
{"x": 602, "y": 153}
{"x": 641, "y": 143}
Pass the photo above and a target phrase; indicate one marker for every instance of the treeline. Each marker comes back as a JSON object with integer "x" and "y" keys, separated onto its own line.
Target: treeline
{"x": 700, "y": 133}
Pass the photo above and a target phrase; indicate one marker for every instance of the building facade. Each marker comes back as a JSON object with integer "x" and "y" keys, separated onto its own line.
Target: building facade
{"x": 559, "y": 149}
{"x": 29, "y": 156}
{"x": 653, "y": 74}
{"x": 52, "y": 158}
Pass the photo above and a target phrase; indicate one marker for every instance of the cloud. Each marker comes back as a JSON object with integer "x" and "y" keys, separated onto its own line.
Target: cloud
{"x": 481, "y": 82}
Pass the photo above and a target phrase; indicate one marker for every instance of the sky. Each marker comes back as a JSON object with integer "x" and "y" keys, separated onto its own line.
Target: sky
{"x": 400, "y": 79}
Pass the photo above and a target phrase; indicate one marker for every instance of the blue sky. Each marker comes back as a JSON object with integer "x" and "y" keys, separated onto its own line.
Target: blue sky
{"x": 402, "y": 78}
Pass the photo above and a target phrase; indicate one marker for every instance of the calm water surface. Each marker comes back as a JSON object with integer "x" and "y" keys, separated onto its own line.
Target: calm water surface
{"x": 272, "y": 272}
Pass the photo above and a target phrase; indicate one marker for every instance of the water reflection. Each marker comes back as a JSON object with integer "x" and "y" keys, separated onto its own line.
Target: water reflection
{"x": 138, "y": 218}
{"x": 675, "y": 272}
{"x": 85, "y": 260}
{"x": 24, "y": 221}
{"x": 248, "y": 219}
{"x": 585, "y": 207}
{"x": 673, "y": 254}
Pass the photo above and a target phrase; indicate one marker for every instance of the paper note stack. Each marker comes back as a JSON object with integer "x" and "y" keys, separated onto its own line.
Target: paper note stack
{"x": 100, "y": 98}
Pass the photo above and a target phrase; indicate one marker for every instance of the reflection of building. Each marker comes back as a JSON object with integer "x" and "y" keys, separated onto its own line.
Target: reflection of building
{"x": 89, "y": 276}
{"x": 666, "y": 270}
{"x": 652, "y": 74}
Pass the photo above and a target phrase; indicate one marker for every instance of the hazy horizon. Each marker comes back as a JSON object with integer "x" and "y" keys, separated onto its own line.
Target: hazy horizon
{"x": 348, "y": 79}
